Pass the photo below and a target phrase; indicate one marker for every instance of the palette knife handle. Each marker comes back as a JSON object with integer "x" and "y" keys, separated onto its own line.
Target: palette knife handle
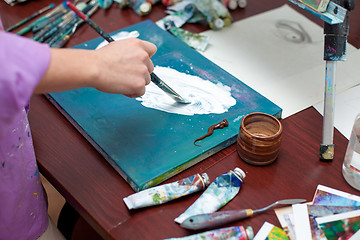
{"x": 212, "y": 220}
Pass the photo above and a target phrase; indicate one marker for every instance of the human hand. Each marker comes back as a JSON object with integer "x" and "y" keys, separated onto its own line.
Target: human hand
{"x": 121, "y": 67}
{"x": 124, "y": 67}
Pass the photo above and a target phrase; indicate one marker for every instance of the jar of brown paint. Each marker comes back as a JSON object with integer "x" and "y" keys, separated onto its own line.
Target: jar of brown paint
{"x": 259, "y": 138}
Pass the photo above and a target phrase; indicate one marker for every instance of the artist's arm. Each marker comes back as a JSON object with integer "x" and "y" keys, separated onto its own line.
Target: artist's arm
{"x": 121, "y": 67}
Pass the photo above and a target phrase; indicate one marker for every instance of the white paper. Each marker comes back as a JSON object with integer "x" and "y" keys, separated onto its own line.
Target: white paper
{"x": 301, "y": 222}
{"x": 279, "y": 53}
{"x": 264, "y": 231}
{"x": 337, "y": 217}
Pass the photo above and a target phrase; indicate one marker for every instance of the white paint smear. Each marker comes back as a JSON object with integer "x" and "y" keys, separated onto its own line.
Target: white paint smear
{"x": 205, "y": 96}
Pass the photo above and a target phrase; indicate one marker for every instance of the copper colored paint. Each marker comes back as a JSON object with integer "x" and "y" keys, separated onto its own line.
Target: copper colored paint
{"x": 259, "y": 138}
{"x": 222, "y": 124}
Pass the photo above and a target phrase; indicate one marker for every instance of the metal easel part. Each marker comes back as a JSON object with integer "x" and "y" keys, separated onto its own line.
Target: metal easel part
{"x": 327, "y": 152}
{"x": 334, "y": 13}
{"x": 327, "y": 146}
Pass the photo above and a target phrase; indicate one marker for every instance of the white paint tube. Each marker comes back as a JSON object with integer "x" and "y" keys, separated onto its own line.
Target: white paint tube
{"x": 167, "y": 192}
{"x": 220, "y": 192}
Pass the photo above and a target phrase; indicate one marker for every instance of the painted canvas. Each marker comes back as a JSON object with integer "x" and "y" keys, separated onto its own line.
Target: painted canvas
{"x": 150, "y": 139}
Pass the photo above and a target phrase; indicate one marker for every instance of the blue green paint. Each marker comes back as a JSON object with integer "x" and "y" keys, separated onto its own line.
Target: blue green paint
{"x": 147, "y": 146}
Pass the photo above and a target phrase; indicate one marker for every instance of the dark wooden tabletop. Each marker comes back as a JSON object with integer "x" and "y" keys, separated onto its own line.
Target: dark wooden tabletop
{"x": 96, "y": 190}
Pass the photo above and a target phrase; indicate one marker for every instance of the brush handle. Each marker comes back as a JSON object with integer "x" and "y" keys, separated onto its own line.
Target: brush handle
{"x": 212, "y": 220}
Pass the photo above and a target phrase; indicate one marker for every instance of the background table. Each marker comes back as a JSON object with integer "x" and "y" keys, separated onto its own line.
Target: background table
{"x": 96, "y": 190}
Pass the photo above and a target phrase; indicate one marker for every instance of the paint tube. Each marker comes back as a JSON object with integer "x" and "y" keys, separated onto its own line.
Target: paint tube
{"x": 216, "y": 14}
{"x": 230, "y": 4}
{"x": 178, "y": 16}
{"x": 154, "y": 2}
{"x": 122, "y": 3}
{"x": 242, "y": 3}
{"x": 170, "y": 2}
{"x": 167, "y": 192}
{"x": 141, "y": 7}
{"x": 220, "y": 192}
{"x": 195, "y": 40}
{"x": 105, "y": 4}
{"x": 237, "y": 232}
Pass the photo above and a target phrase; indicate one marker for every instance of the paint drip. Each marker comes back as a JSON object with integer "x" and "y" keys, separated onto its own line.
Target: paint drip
{"x": 224, "y": 188}
{"x": 230, "y": 233}
{"x": 205, "y": 96}
{"x": 167, "y": 192}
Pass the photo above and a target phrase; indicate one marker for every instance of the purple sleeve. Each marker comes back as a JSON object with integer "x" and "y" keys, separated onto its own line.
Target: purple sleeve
{"x": 23, "y": 63}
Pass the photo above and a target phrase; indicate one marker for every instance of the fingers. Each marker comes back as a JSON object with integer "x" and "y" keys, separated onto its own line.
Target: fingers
{"x": 147, "y": 79}
{"x": 125, "y": 67}
{"x": 149, "y": 47}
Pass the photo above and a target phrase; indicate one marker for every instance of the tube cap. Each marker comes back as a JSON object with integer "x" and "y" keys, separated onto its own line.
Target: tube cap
{"x": 240, "y": 173}
{"x": 206, "y": 179}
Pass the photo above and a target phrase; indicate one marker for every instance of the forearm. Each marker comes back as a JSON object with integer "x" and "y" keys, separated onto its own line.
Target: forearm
{"x": 68, "y": 69}
{"x": 122, "y": 67}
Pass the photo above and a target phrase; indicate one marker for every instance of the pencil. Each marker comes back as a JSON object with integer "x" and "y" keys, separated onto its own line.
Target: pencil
{"x": 30, "y": 17}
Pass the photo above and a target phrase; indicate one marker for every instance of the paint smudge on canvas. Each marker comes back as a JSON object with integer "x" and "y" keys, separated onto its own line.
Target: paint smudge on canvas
{"x": 220, "y": 125}
{"x": 205, "y": 96}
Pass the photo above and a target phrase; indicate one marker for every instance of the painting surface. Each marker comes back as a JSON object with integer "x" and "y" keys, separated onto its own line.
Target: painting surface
{"x": 145, "y": 145}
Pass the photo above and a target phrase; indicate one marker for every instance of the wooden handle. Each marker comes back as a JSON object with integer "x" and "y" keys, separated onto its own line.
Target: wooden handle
{"x": 212, "y": 220}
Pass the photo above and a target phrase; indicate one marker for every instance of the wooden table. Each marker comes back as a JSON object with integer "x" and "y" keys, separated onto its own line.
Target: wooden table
{"x": 96, "y": 190}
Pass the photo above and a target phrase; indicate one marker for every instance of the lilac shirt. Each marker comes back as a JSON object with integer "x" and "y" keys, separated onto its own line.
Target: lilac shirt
{"x": 23, "y": 204}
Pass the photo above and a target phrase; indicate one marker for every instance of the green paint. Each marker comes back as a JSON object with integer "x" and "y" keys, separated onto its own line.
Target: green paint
{"x": 156, "y": 198}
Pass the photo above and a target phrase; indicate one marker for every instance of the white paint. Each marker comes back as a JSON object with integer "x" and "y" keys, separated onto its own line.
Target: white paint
{"x": 205, "y": 96}
{"x": 119, "y": 36}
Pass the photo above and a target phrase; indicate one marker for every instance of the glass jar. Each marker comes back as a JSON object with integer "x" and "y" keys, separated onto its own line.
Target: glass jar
{"x": 351, "y": 165}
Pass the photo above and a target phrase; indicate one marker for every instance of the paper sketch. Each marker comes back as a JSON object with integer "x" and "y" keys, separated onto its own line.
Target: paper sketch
{"x": 279, "y": 53}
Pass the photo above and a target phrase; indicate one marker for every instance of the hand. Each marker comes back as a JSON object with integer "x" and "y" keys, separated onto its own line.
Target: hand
{"x": 124, "y": 67}
{"x": 121, "y": 67}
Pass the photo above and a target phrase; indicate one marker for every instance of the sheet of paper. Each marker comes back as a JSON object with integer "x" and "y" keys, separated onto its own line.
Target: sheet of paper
{"x": 270, "y": 231}
{"x": 286, "y": 219}
{"x": 279, "y": 53}
{"x": 301, "y": 222}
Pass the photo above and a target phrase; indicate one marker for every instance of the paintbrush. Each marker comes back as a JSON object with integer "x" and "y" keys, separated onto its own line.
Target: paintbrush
{"x": 30, "y": 17}
{"x": 155, "y": 79}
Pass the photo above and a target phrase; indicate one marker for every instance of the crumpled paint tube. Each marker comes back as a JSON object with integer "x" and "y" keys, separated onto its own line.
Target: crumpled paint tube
{"x": 179, "y": 16}
{"x": 233, "y": 233}
{"x": 216, "y": 14}
{"x": 141, "y": 7}
{"x": 224, "y": 188}
{"x": 167, "y": 192}
{"x": 195, "y": 40}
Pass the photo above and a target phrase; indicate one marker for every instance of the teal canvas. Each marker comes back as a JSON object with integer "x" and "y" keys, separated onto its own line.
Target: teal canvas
{"x": 147, "y": 146}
